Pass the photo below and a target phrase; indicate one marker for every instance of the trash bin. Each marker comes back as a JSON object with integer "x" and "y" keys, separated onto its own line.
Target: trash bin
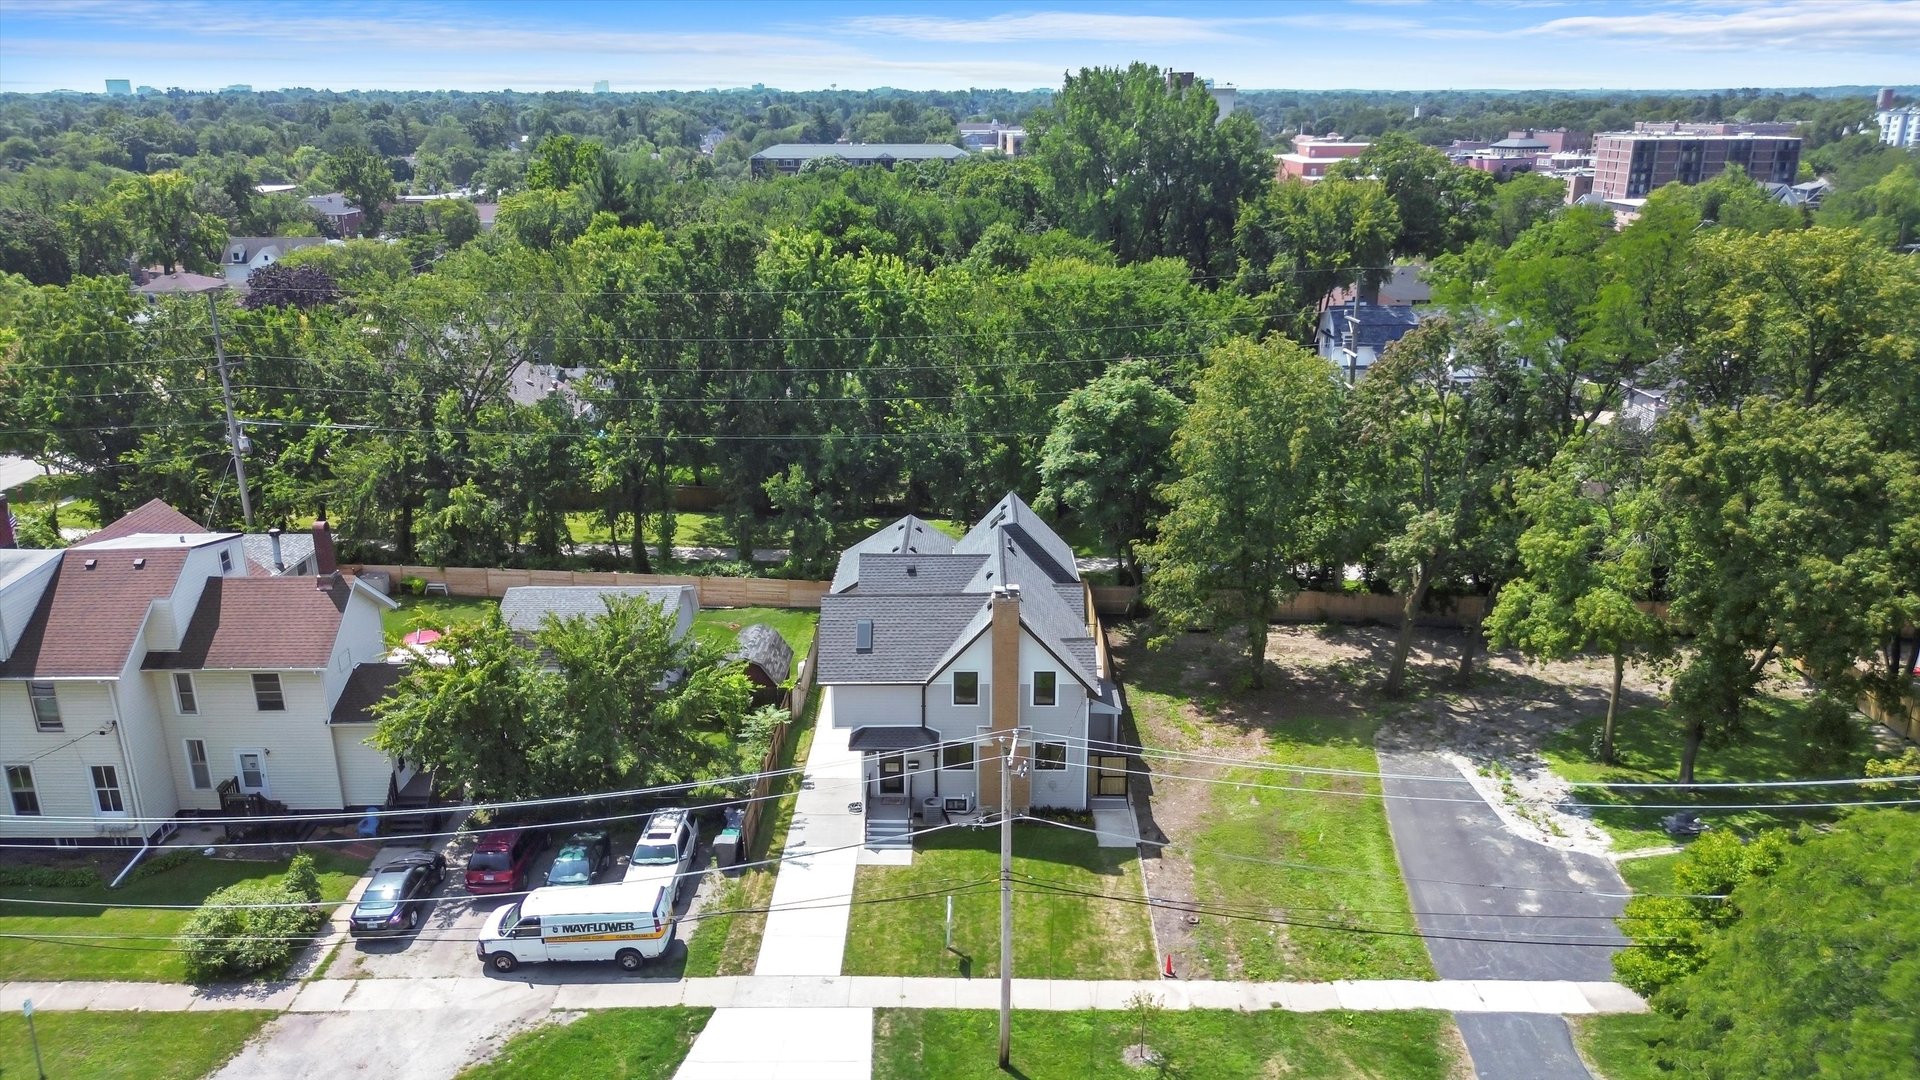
{"x": 726, "y": 848}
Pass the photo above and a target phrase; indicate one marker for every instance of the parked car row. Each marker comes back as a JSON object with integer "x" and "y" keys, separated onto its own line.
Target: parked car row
{"x": 580, "y": 911}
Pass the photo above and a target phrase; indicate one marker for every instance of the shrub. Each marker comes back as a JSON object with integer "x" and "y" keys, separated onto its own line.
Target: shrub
{"x": 1907, "y": 764}
{"x": 1671, "y": 933}
{"x": 757, "y": 731}
{"x": 49, "y": 877}
{"x": 232, "y": 936}
{"x": 160, "y": 864}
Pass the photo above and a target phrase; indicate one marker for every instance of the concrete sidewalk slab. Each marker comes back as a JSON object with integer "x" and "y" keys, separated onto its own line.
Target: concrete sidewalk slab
{"x": 783, "y": 1044}
{"x": 1612, "y": 998}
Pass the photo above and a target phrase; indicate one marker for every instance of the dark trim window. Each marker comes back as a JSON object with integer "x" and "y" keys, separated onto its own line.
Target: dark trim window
{"x": 267, "y": 696}
{"x": 106, "y": 790}
{"x": 958, "y": 756}
{"x": 183, "y": 693}
{"x": 197, "y": 771}
{"x": 26, "y": 800}
{"x": 46, "y": 707}
{"x": 226, "y": 561}
{"x": 1049, "y": 756}
{"x": 966, "y": 688}
{"x": 1046, "y": 690}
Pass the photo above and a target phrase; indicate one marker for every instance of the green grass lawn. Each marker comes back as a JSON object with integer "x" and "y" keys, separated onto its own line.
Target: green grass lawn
{"x": 72, "y": 950}
{"x": 1058, "y": 936}
{"x": 433, "y": 613}
{"x": 1621, "y": 1046}
{"x": 1653, "y": 874}
{"x": 628, "y": 1044}
{"x": 125, "y": 1045}
{"x": 730, "y": 944}
{"x": 910, "y": 1044}
{"x": 1647, "y": 742}
{"x": 719, "y": 626}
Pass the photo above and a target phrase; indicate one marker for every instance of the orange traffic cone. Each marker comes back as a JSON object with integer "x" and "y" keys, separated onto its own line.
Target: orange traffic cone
{"x": 1167, "y": 971}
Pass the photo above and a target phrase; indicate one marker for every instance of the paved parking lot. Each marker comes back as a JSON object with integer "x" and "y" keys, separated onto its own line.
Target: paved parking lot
{"x": 443, "y": 946}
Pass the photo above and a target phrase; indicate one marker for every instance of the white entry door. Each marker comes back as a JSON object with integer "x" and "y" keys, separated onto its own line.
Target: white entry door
{"x": 250, "y": 766}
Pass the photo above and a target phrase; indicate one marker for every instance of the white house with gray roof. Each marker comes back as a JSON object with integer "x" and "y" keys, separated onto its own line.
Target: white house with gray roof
{"x": 930, "y": 647}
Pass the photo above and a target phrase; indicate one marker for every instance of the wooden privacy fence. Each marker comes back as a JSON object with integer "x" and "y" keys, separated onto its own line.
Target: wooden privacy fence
{"x": 715, "y": 592}
{"x": 1322, "y": 607}
{"x": 796, "y": 709}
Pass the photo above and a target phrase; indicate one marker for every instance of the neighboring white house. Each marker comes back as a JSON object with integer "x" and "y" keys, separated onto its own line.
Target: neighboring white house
{"x": 144, "y": 666}
{"x": 245, "y": 254}
{"x": 927, "y": 645}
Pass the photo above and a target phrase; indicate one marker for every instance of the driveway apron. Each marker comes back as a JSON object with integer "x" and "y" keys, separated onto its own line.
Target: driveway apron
{"x": 1543, "y": 907}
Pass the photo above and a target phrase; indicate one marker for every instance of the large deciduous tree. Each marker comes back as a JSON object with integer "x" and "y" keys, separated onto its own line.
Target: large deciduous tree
{"x": 1252, "y": 454}
{"x": 1297, "y": 241}
{"x": 1443, "y": 206}
{"x": 1147, "y": 166}
{"x": 365, "y": 180}
{"x": 1110, "y": 453}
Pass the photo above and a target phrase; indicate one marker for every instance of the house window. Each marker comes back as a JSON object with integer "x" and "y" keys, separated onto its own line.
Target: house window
{"x": 46, "y": 707}
{"x": 226, "y": 561}
{"x": 106, "y": 790}
{"x": 1049, "y": 756}
{"x": 26, "y": 801}
{"x": 266, "y": 694}
{"x": 197, "y": 764}
{"x": 1044, "y": 688}
{"x": 966, "y": 688}
{"x": 957, "y": 756}
{"x": 183, "y": 693}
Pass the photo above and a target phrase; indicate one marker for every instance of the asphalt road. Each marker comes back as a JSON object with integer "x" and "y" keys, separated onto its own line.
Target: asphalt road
{"x": 1500, "y": 907}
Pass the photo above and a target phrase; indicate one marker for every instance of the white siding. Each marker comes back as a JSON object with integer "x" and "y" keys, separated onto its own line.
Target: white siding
{"x": 62, "y": 777}
{"x": 361, "y": 641}
{"x": 301, "y": 768}
{"x": 364, "y": 771}
{"x": 143, "y": 735}
{"x": 18, "y": 601}
{"x": 855, "y": 706}
{"x": 170, "y": 616}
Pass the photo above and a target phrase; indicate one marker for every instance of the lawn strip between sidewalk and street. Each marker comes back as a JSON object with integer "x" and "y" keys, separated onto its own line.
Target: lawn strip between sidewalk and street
{"x": 1057, "y": 934}
{"x": 1622, "y": 1046}
{"x": 125, "y": 1045}
{"x": 617, "y": 1044}
{"x": 1217, "y": 1044}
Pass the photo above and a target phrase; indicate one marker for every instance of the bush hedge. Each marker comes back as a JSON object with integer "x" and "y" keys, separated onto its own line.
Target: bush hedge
{"x": 232, "y": 936}
{"x": 50, "y": 877}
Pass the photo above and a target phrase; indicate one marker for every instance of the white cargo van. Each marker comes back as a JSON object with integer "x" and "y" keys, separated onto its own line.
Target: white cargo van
{"x": 628, "y": 923}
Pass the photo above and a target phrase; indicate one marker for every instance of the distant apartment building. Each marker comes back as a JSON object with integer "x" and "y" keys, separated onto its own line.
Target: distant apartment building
{"x": 1225, "y": 96}
{"x": 1900, "y": 127}
{"x": 792, "y": 157}
{"x": 1632, "y": 164}
{"x": 1312, "y": 154}
{"x": 119, "y": 88}
{"x": 1008, "y": 139}
{"x": 1515, "y": 154}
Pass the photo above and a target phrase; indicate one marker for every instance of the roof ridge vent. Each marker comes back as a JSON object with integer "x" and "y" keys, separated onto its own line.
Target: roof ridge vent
{"x": 140, "y": 563}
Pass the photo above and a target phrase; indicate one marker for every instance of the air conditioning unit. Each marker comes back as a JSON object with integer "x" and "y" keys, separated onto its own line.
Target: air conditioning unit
{"x": 959, "y": 804}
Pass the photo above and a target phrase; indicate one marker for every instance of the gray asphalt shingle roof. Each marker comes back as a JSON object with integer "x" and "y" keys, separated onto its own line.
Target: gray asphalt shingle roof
{"x": 861, "y": 151}
{"x": 910, "y": 635}
{"x": 909, "y": 534}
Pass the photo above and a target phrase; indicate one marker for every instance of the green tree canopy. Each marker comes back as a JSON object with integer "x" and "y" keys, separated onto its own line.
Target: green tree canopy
{"x": 1108, "y": 455}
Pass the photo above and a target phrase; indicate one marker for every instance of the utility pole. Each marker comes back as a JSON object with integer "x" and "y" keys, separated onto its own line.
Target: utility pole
{"x": 233, "y": 426}
{"x": 1006, "y": 897}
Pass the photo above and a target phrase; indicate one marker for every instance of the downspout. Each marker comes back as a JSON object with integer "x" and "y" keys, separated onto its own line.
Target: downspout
{"x": 133, "y": 788}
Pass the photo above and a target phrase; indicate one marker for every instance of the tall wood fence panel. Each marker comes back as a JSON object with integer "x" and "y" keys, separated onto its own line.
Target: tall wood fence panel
{"x": 797, "y": 709}
{"x": 1321, "y": 607}
{"x": 715, "y": 592}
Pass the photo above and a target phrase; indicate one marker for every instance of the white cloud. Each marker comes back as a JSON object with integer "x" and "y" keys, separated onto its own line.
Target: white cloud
{"x": 1045, "y": 26}
{"x": 1829, "y": 26}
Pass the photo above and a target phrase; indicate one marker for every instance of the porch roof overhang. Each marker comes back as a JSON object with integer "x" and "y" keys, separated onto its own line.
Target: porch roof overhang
{"x": 875, "y": 737}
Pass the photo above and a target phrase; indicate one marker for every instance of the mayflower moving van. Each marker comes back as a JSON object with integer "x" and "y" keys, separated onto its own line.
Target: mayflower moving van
{"x": 626, "y": 923}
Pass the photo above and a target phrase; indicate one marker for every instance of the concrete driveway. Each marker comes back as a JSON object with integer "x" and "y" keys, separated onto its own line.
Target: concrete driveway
{"x": 1475, "y": 879}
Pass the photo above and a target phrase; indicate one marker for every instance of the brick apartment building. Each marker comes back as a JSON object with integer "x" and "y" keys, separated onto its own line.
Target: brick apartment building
{"x": 1312, "y": 155}
{"x": 1632, "y": 164}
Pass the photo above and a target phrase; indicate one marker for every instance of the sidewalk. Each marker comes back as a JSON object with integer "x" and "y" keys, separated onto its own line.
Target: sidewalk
{"x": 818, "y": 995}
{"x": 803, "y": 943}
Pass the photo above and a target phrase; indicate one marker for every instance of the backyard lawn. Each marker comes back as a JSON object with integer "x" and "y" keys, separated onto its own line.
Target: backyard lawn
{"x": 1240, "y": 847}
{"x": 1215, "y": 1044}
{"x": 627, "y": 1044}
{"x": 730, "y": 944}
{"x": 1621, "y": 1046}
{"x": 125, "y": 1045}
{"x": 1060, "y": 936}
{"x": 433, "y": 613}
{"x": 1653, "y": 874}
{"x": 67, "y": 943}
{"x": 718, "y": 626}
{"x": 1647, "y": 742}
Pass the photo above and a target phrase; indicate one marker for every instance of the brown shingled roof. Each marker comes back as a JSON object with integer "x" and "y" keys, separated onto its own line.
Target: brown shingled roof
{"x": 248, "y": 623}
{"x": 154, "y": 517}
{"x": 88, "y": 620}
{"x": 367, "y": 685}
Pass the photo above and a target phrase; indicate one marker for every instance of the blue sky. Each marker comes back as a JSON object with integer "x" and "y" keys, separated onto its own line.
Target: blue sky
{"x": 1383, "y": 44}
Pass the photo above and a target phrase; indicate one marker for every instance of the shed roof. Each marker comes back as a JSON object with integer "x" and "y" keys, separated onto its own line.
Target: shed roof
{"x": 762, "y": 646}
{"x": 368, "y": 684}
{"x": 524, "y": 608}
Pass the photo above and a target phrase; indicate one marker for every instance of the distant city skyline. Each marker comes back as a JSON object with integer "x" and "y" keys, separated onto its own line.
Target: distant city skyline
{"x": 1312, "y": 44}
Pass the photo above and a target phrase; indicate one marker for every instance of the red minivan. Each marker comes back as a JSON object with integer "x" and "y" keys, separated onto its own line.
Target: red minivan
{"x": 503, "y": 861}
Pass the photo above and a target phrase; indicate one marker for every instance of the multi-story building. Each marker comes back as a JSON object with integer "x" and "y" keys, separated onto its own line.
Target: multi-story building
{"x": 1632, "y": 164}
{"x": 1312, "y": 154}
{"x": 119, "y": 88}
{"x": 791, "y": 157}
{"x": 1900, "y": 127}
{"x": 149, "y": 672}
